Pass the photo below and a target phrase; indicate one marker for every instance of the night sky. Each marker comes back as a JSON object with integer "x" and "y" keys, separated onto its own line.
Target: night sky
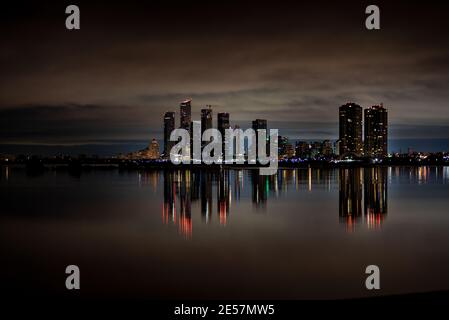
{"x": 292, "y": 63}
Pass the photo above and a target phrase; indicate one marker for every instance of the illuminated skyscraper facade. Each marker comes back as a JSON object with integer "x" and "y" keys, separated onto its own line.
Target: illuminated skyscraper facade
{"x": 222, "y": 125}
{"x": 169, "y": 126}
{"x": 185, "y": 114}
{"x": 206, "y": 122}
{"x": 350, "y": 130}
{"x": 259, "y": 124}
{"x": 376, "y": 131}
{"x": 206, "y": 119}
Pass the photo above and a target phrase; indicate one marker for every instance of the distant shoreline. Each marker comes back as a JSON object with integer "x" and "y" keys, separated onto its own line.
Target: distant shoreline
{"x": 79, "y": 166}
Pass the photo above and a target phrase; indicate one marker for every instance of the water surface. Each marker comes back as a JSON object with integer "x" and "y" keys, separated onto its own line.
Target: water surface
{"x": 301, "y": 234}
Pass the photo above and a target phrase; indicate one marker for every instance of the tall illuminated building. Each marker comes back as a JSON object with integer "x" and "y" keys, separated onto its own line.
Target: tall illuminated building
{"x": 206, "y": 118}
{"x": 186, "y": 123}
{"x": 376, "y": 131}
{"x": 169, "y": 126}
{"x": 185, "y": 114}
{"x": 206, "y": 121}
{"x": 223, "y": 122}
{"x": 259, "y": 124}
{"x": 222, "y": 125}
{"x": 350, "y": 130}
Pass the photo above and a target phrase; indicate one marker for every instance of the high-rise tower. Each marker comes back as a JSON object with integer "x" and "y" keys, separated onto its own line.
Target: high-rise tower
{"x": 222, "y": 125}
{"x": 185, "y": 114}
{"x": 206, "y": 119}
{"x": 169, "y": 126}
{"x": 376, "y": 131}
{"x": 351, "y": 143}
{"x": 259, "y": 124}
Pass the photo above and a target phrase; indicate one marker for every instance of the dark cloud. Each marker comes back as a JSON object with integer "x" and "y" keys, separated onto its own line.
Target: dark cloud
{"x": 291, "y": 62}
{"x": 73, "y": 124}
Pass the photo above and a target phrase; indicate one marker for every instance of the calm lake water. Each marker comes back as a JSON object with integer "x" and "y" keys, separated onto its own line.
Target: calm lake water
{"x": 300, "y": 234}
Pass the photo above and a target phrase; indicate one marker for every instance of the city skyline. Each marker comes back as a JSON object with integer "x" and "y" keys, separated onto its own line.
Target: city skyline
{"x": 362, "y": 133}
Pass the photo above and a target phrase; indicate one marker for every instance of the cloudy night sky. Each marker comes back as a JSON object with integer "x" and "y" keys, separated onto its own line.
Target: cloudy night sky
{"x": 106, "y": 87}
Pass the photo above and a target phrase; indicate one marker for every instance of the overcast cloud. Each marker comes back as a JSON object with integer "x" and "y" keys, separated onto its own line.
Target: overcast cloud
{"x": 290, "y": 63}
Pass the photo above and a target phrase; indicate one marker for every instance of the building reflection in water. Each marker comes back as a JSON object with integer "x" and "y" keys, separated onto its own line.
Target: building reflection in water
{"x": 206, "y": 196}
{"x": 183, "y": 188}
{"x": 223, "y": 196}
{"x": 265, "y": 186}
{"x": 215, "y": 191}
{"x": 376, "y": 195}
{"x": 350, "y": 196}
{"x": 260, "y": 189}
{"x": 363, "y": 192}
{"x": 177, "y": 188}
{"x": 369, "y": 185}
